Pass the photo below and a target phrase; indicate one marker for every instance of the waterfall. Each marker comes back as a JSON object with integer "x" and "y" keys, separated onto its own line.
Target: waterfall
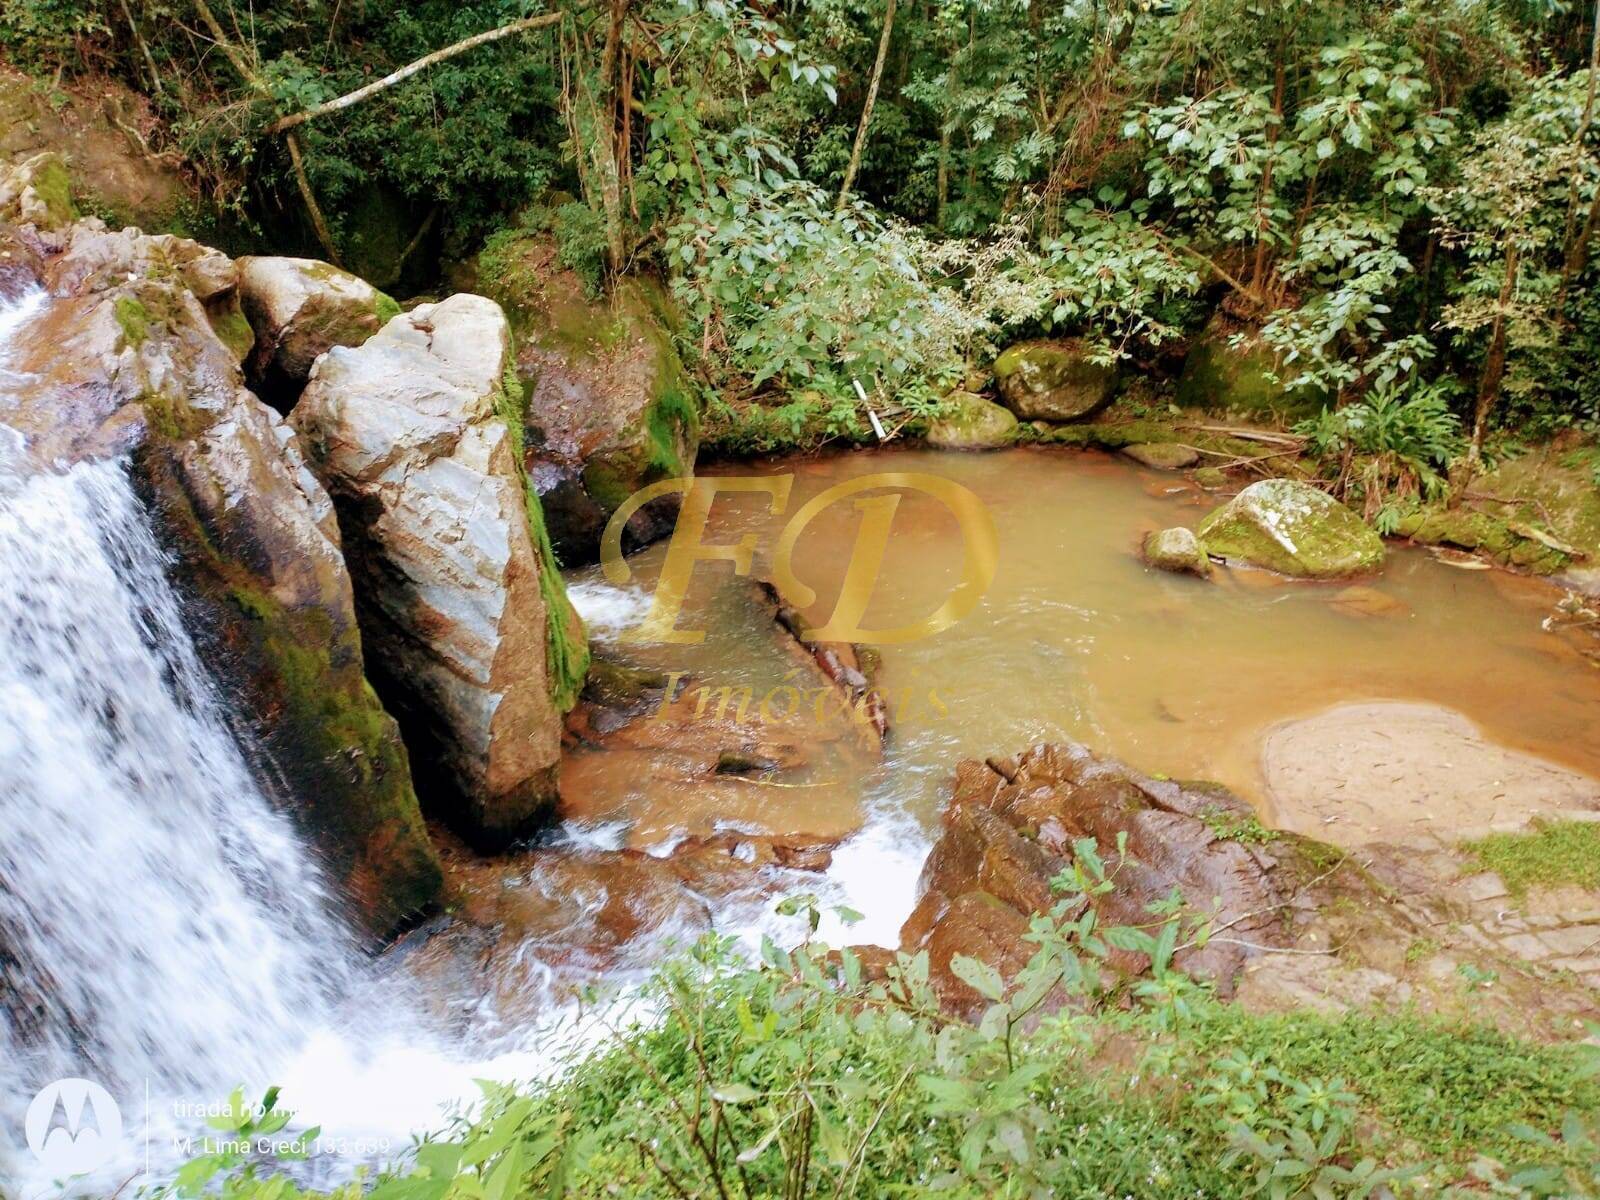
{"x": 160, "y": 925}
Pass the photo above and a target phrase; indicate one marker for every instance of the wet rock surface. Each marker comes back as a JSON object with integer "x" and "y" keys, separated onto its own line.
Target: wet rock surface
{"x": 1162, "y": 456}
{"x": 1011, "y": 826}
{"x": 131, "y": 359}
{"x": 1176, "y": 550}
{"x": 608, "y": 411}
{"x": 1384, "y": 771}
{"x": 409, "y": 434}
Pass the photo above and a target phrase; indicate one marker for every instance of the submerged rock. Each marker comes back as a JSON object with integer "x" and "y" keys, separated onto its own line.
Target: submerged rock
{"x": 1054, "y": 380}
{"x": 129, "y": 361}
{"x": 1244, "y": 378}
{"x": 1177, "y": 550}
{"x": 609, "y": 411}
{"x": 1294, "y": 529}
{"x": 1163, "y": 456}
{"x": 1011, "y": 827}
{"x": 300, "y": 308}
{"x": 972, "y": 423}
{"x": 457, "y": 596}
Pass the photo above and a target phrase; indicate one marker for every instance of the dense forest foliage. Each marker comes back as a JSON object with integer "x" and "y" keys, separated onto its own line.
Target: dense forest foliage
{"x": 1398, "y": 199}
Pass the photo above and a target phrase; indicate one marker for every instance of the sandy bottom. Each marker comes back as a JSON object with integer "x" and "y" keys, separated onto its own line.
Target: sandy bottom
{"x": 1381, "y": 772}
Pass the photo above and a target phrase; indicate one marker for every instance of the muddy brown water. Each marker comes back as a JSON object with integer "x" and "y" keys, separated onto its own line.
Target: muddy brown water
{"x": 1077, "y": 638}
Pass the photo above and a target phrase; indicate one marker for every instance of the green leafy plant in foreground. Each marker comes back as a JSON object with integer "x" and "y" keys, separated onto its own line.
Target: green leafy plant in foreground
{"x": 804, "y": 1076}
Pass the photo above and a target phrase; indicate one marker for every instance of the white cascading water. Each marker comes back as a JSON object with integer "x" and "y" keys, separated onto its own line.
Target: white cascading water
{"x": 162, "y": 929}
{"x": 153, "y": 902}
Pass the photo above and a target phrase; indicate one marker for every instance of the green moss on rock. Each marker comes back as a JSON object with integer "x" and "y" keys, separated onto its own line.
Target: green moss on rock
{"x": 298, "y": 671}
{"x": 1054, "y": 380}
{"x": 1294, "y": 529}
{"x": 133, "y": 318}
{"x": 1469, "y": 529}
{"x": 1244, "y": 378}
{"x": 970, "y": 422}
{"x": 566, "y": 645}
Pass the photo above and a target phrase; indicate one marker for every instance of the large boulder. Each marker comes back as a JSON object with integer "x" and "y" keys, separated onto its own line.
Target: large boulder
{"x": 299, "y": 308}
{"x": 1294, "y": 529}
{"x": 468, "y": 630}
{"x": 609, "y": 410}
{"x": 137, "y": 267}
{"x": 1013, "y": 825}
{"x": 1055, "y": 380}
{"x": 1230, "y": 369}
{"x": 970, "y": 422}
{"x": 128, "y": 362}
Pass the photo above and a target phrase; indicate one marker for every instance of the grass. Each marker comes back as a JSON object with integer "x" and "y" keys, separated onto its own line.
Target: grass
{"x": 758, "y": 1070}
{"x": 1551, "y": 854}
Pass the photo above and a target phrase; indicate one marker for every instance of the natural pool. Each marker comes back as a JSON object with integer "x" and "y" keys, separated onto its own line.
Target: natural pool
{"x": 1076, "y": 638}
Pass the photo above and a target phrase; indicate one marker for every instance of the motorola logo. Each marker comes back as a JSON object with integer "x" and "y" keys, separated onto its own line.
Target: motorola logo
{"x": 73, "y": 1127}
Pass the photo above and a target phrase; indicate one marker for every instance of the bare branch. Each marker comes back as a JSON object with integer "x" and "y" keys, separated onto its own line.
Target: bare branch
{"x": 412, "y": 68}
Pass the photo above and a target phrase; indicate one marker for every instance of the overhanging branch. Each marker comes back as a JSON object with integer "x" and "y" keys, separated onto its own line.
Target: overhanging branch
{"x": 282, "y": 124}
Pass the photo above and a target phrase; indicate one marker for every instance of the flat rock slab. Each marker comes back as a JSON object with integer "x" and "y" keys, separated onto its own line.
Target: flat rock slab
{"x": 1385, "y": 771}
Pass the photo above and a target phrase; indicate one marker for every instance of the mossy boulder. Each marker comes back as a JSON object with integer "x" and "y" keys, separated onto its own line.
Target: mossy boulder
{"x": 298, "y": 309}
{"x": 970, "y": 422}
{"x": 37, "y": 191}
{"x": 1176, "y": 550}
{"x": 1488, "y": 535}
{"x": 1244, "y": 378}
{"x": 464, "y": 615}
{"x": 1292, "y": 528}
{"x": 128, "y": 363}
{"x": 609, "y": 409}
{"x": 1054, "y": 380}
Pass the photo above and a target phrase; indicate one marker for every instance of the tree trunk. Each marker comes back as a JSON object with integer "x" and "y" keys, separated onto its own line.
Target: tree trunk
{"x": 608, "y": 150}
{"x": 1494, "y": 368}
{"x": 866, "y": 109}
{"x": 248, "y": 73}
{"x": 1569, "y": 259}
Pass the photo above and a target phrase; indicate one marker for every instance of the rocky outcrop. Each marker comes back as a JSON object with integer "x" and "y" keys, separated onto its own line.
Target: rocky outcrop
{"x": 972, "y": 423}
{"x": 609, "y": 411}
{"x": 1012, "y": 826}
{"x": 96, "y": 125}
{"x": 129, "y": 361}
{"x": 37, "y": 191}
{"x": 1054, "y": 380}
{"x": 1294, "y": 529}
{"x": 1243, "y": 377}
{"x": 1176, "y": 550}
{"x": 462, "y": 610}
{"x": 300, "y": 308}
{"x": 21, "y": 261}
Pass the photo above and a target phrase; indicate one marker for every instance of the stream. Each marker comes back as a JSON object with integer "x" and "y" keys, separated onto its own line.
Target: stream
{"x": 182, "y": 940}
